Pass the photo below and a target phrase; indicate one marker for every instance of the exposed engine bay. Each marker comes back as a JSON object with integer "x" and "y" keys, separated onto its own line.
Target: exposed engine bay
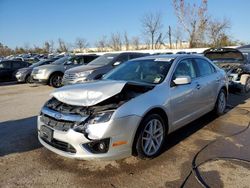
{"x": 235, "y": 70}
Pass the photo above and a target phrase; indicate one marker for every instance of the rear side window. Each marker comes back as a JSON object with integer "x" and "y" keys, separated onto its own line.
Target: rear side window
{"x": 205, "y": 68}
{"x": 89, "y": 58}
{"x": 77, "y": 60}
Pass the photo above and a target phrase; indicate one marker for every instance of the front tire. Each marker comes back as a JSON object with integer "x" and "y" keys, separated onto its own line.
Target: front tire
{"x": 221, "y": 103}
{"x": 151, "y": 137}
{"x": 56, "y": 80}
{"x": 28, "y": 79}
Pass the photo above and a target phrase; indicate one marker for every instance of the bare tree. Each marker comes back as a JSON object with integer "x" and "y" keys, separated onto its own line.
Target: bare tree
{"x": 193, "y": 18}
{"x": 152, "y": 25}
{"x": 135, "y": 42}
{"x": 126, "y": 41}
{"x": 217, "y": 31}
{"x": 46, "y": 46}
{"x": 159, "y": 41}
{"x": 102, "y": 44}
{"x": 177, "y": 35}
{"x": 81, "y": 43}
{"x": 115, "y": 42}
{"x": 51, "y": 50}
{"x": 27, "y": 47}
{"x": 62, "y": 46}
{"x": 5, "y": 50}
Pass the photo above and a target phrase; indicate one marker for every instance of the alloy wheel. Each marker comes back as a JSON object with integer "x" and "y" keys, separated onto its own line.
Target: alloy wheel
{"x": 152, "y": 137}
{"x": 57, "y": 81}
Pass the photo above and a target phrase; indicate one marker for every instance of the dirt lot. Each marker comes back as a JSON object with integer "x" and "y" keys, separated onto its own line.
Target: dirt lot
{"x": 24, "y": 162}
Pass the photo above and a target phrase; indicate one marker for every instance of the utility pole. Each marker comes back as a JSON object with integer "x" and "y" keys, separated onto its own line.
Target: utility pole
{"x": 170, "y": 36}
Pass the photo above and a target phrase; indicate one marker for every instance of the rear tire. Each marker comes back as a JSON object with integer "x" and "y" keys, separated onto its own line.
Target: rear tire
{"x": 150, "y": 137}
{"x": 56, "y": 80}
{"x": 221, "y": 103}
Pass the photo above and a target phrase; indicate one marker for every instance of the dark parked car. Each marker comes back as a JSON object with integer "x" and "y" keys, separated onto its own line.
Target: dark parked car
{"x": 24, "y": 74}
{"x": 8, "y": 69}
{"x": 97, "y": 68}
{"x": 235, "y": 65}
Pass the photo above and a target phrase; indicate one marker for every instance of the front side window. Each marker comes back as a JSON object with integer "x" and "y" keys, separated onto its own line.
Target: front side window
{"x": 205, "y": 68}
{"x": 17, "y": 65}
{"x": 185, "y": 68}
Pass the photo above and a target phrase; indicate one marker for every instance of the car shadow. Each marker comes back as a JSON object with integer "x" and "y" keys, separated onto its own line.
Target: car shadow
{"x": 9, "y": 83}
{"x": 18, "y": 136}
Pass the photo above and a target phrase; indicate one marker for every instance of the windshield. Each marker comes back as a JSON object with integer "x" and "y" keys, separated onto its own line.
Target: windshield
{"x": 60, "y": 61}
{"x": 38, "y": 63}
{"x": 152, "y": 71}
{"x": 104, "y": 59}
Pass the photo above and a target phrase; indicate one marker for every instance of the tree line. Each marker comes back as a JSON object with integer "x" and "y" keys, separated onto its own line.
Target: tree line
{"x": 195, "y": 26}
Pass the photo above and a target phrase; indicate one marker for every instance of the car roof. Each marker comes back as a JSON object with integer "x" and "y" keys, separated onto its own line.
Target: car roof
{"x": 168, "y": 56}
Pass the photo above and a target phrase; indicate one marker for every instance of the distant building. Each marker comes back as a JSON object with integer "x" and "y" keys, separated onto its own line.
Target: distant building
{"x": 179, "y": 45}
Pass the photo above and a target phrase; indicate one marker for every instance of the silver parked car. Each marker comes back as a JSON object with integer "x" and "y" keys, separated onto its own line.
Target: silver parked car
{"x": 52, "y": 74}
{"x": 133, "y": 109}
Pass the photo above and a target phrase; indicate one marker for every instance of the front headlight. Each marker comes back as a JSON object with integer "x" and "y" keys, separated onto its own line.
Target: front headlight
{"x": 84, "y": 74}
{"x": 40, "y": 71}
{"x": 101, "y": 117}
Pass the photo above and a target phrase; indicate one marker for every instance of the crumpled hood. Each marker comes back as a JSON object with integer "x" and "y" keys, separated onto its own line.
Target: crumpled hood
{"x": 88, "y": 94}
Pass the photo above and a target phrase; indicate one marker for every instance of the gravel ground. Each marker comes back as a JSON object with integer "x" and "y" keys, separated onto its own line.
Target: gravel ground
{"x": 25, "y": 163}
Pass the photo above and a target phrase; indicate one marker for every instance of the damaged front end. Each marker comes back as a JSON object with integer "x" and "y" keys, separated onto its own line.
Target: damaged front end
{"x": 235, "y": 71}
{"x": 63, "y": 117}
{"x": 233, "y": 62}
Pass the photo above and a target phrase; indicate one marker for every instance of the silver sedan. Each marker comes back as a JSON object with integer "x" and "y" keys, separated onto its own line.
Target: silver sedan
{"x": 133, "y": 108}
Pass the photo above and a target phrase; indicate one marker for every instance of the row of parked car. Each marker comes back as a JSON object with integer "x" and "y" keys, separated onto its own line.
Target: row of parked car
{"x": 71, "y": 69}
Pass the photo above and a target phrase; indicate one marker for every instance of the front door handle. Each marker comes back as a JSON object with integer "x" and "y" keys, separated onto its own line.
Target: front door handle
{"x": 218, "y": 79}
{"x": 198, "y": 86}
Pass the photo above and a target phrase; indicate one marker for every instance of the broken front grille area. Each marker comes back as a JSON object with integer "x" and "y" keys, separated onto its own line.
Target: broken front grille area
{"x": 61, "y": 145}
{"x": 61, "y": 125}
{"x": 59, "y": 106}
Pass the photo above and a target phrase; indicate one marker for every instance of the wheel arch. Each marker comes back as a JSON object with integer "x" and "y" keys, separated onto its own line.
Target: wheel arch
{"x": 54, "y": 73}
{"x": 155, "y": 110}
{"x": 225, "y": 89}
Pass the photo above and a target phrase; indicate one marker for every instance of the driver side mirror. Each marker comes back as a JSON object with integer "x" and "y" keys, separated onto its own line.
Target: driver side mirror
{"x": 182, "y": 80}
{"x": 117, "y": 63}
